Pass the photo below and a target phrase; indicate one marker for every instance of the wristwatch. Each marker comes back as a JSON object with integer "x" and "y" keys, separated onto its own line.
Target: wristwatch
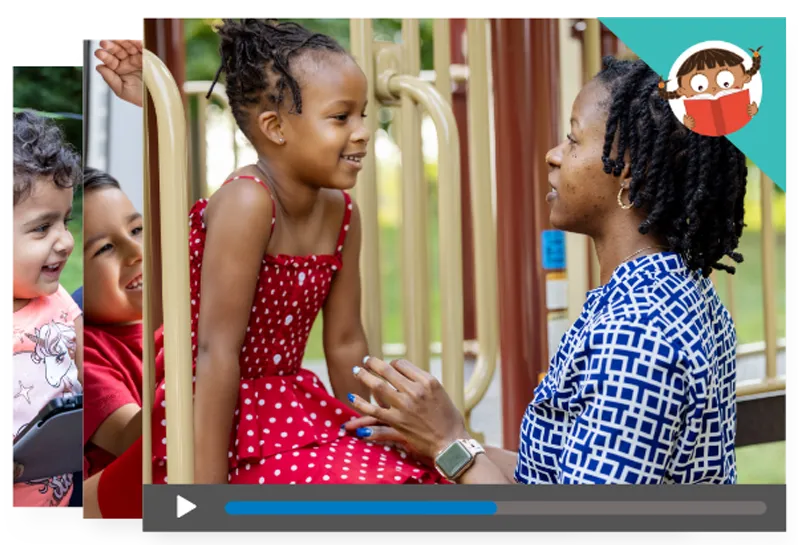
{"x": 455, "y": 459}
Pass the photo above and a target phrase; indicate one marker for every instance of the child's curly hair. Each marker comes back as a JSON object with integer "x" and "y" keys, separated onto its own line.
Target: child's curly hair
{"x": 41, "y": 152}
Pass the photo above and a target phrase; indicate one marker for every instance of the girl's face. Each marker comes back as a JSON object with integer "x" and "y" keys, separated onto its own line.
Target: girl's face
{"x": 712, "y": 80}
{"x": 582, "y": 194}
{"x": 42, "y": 242}
{"x": 112, "y": 258}
{"x": 326, "y": 143}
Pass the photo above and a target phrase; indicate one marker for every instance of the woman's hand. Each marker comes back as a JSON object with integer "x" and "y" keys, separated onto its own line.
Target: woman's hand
{"x": 372, "y": 430}
{"x": 121, "y": 68}
{"x": 413, "y": 403}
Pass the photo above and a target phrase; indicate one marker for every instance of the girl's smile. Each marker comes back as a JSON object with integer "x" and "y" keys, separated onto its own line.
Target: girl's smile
{"x": 42, "y": 242}
{"x": 354, "y": 160}
{"x": 53, "y": 272}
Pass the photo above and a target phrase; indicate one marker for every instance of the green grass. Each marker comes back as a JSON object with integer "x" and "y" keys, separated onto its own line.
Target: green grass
{"x": 72, "y": 277}
{"x": 762, "y": 464}
{"x": 746, "y": 289}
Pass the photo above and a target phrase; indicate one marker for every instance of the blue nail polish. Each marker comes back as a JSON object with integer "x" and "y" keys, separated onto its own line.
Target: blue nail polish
{"x": 343, "y": 426}
{"x": 351, "y": 398}
{"x": 363, "y": 432}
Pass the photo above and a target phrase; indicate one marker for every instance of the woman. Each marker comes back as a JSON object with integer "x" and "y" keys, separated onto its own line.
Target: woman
{"x": 642, "y": 388}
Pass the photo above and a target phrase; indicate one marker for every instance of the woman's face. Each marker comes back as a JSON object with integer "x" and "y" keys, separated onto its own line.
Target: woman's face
{"x": 582, "y": 194}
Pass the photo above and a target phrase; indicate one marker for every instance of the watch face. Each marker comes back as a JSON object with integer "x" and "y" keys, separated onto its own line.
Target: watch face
{"x": 453, "y": 459}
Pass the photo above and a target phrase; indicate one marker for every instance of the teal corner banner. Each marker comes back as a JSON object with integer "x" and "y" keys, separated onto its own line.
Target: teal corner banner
{"x": 660, "y": 42}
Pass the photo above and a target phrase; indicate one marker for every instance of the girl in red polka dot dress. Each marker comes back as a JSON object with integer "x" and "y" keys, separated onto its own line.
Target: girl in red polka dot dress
{"x": 276, "y": 244}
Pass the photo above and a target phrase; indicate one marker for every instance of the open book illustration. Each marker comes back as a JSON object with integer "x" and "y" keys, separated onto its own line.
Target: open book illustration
{"x": 720, "y": 114}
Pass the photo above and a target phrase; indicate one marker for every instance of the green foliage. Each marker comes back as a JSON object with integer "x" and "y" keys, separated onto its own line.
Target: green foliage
{"x": 202, "y": 43}
{"x": 202, "y": 49}
{"x": 53, "y": 89}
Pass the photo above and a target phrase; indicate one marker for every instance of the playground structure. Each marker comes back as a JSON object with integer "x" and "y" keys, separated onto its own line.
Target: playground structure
{"x": 495, "y": 115}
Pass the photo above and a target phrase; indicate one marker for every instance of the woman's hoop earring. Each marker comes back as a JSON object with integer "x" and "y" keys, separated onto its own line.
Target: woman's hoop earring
{"x": 620, "y": 202}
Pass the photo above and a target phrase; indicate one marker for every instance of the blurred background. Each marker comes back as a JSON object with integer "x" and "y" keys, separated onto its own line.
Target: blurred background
{"x": 114, "y": 131}
{"x": 57, "y": 93}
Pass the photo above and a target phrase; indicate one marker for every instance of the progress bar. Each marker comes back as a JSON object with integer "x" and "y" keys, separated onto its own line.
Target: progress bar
{"x": 487, "y": 508}
{"x": 404, "y": 508}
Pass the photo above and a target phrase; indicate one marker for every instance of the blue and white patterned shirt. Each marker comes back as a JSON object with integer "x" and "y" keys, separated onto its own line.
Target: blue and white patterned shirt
{"x": 642, "y": 388}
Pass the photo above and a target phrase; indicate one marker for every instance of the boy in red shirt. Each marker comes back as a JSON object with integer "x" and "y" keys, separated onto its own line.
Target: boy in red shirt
{"x": 115, "y": 492}
{"x": 113, "y": 316}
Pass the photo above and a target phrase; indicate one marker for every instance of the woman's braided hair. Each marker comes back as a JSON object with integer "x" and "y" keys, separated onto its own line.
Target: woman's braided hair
{"x": 692, "y": 187}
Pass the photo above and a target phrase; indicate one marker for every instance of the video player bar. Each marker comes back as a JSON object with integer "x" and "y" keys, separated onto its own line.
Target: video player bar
{"x": 464, "y": 508}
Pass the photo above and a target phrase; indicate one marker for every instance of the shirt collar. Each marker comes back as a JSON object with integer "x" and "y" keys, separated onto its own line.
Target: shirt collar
{"x": 667, "y": 262}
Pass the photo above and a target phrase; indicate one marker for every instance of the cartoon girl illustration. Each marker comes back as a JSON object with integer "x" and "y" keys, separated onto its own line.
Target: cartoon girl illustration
{"x": 712, "y": 83}
{"x": 55, "y": 348}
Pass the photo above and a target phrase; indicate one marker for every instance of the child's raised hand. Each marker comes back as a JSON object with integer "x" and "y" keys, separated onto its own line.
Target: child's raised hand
{"x": 121, "y": 68}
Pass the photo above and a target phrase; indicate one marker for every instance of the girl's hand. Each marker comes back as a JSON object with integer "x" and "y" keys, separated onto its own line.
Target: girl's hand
{"x": 419, "y": 408}
{"x": 689, "y": 122}
{"x": 18, "y": 469}
{"x": 752, "y": 109}
{"x": 121, "y": 68}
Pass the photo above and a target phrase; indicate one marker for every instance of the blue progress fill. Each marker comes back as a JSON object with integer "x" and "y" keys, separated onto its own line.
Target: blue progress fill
{"x": 360, "y": 508}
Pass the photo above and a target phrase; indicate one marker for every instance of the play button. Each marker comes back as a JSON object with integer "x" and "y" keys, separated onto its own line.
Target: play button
{"x": 184, "y": 506}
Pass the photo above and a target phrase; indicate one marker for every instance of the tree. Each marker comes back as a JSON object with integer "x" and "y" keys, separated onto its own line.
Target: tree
{"x": 202, "y": 43}
{"x": 53, "y": 90}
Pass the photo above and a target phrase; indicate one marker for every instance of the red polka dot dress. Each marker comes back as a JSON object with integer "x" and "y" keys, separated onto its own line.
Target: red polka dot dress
{"x": 286, "y": 426}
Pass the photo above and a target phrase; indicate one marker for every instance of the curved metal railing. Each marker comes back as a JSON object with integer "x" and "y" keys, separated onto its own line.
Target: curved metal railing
{"x": 171, "y": 124}
{"x": 450, "y": 245}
